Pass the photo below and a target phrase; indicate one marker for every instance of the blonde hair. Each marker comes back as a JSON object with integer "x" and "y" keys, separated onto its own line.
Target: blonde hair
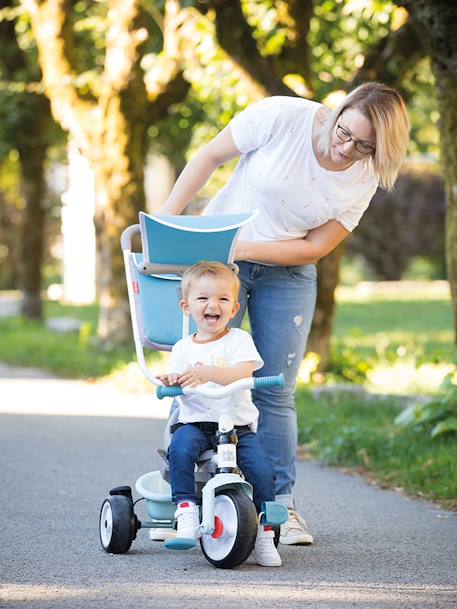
{"x": 204, "y": 269}
{"x": 386, "y": 111}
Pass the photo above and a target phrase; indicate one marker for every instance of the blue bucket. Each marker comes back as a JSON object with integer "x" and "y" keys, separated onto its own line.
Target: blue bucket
{"x": 157, "y": 493}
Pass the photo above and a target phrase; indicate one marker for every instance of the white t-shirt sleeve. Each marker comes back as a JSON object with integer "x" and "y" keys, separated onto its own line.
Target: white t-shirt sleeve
{"x": 252, "y": 128}
{"x": 243, "y": 349}
{"x": 350, "y": 217}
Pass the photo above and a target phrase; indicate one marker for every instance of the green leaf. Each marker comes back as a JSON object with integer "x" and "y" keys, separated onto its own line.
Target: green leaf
{"x": 446, "y": 426}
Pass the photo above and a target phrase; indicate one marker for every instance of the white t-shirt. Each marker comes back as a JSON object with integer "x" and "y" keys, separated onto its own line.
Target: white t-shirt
{"x": 235, "y": 347}
{"x": 279, "y": 175}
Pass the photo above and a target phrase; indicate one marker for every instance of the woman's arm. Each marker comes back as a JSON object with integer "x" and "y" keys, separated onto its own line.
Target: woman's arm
{"x": 318, "y": 243}
{"x": 198, "y": 171}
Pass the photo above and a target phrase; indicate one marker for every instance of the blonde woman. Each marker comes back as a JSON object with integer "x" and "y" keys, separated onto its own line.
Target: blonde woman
{"x": 311, "y": 172}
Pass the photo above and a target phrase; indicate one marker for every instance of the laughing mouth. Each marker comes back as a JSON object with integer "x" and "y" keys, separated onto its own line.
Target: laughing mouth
{"x": 211, "y": 317}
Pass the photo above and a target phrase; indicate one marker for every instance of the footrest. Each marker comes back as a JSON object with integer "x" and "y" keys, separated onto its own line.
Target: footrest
{"x": 274, "y": 513}
{"x": 180, "y": 543}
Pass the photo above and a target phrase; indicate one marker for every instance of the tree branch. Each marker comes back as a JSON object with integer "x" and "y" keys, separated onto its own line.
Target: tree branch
{"x": 391, "y": 57}
{"x": 51, "y": 35}
{"x": 235, "y": 36}
{"x": 294, "y": 58}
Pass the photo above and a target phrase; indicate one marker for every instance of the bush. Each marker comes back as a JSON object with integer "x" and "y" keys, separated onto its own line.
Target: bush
{"x": 437, "y": 417}
{"x": 403, "y": 225}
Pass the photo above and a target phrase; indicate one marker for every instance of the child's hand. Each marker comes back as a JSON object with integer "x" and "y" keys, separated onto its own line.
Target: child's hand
{"x": 169, "y": 380}
{"x": 197, "y": 375}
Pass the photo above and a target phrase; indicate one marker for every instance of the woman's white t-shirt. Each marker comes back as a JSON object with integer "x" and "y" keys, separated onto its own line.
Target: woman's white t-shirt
{"x": 234, "y": 348}
{"x": 279, "y": 175}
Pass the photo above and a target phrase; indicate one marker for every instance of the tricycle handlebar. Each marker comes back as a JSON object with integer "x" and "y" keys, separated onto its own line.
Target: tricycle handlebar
{"x": 222, "y": 392}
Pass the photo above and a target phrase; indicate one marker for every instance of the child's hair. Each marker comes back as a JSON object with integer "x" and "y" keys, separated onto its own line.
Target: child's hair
{"x": 204, "y": 268}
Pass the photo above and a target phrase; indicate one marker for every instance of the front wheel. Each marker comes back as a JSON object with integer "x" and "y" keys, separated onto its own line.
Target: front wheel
{"x": 235, "y": 530}
{"x": 117, "y": 524}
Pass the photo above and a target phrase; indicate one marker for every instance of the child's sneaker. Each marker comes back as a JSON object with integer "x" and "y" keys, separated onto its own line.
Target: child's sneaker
{"x": 265, "y": 552}
{"x": 188, "y": 519}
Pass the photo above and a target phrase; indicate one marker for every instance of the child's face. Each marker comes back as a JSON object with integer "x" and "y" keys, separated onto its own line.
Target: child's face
{"x": 211, "y": 304}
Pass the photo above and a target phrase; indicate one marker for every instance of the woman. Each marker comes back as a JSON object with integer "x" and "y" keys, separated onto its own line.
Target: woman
{"x": 311, "y": 172}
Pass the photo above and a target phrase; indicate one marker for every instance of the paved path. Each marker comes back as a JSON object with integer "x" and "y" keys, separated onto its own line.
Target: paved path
{"x": 374, "y": 548}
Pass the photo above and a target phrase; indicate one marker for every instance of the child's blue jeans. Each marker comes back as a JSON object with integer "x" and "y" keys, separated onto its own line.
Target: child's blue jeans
{"x": 188, "y": 442}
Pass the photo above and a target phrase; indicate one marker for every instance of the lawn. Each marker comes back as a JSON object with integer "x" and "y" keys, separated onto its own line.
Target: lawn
{"x": 356, "y": 432}
{"x": 383, "y": 327}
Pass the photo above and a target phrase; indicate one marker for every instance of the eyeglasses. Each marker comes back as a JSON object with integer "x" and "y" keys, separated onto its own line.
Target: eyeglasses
{"x": 361, "y": 147}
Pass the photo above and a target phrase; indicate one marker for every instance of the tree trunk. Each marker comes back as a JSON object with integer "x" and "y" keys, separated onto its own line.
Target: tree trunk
{"x": 321, "y": 329}
{"x": 32, "y": 162}
{"x": 119, "y": 180}
{"x": 437, "y": 25}
{"x": 447, "y": 100}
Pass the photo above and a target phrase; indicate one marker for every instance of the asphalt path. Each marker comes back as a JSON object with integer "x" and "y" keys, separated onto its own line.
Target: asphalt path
{"x": 373, "y": 548}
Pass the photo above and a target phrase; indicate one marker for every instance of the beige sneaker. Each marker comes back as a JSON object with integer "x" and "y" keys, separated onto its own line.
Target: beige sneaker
{"x": 162, "y": 534}
{"x": 295, "y": 531}
{"x": 265, "y": 552}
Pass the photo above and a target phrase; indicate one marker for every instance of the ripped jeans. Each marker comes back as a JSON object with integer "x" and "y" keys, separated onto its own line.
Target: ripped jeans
{"x": 280, "y": 302}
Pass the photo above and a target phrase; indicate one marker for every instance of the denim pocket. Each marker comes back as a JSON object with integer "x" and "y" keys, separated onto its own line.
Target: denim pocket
{"x": 303, "y": 271}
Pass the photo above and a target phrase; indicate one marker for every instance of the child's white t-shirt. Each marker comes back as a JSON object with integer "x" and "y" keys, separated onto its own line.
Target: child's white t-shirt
{"x": 235, "y": 347}
{"x": 279, "y": 175}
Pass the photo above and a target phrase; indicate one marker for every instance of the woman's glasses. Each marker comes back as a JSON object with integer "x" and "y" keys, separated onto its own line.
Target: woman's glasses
{"x": 361, "y": 147}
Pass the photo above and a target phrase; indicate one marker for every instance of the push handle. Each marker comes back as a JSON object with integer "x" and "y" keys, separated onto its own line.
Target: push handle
{"x": 169, "y": 392}
{"x": 269, "y": 381}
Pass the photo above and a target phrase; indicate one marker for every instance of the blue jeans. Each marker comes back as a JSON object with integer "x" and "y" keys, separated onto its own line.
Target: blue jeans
{"x": 188, "y": 441}
{"x": 280, "y": 302}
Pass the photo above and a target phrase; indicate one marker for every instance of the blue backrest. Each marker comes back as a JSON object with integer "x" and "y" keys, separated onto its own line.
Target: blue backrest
{"x": 182, "y": 240}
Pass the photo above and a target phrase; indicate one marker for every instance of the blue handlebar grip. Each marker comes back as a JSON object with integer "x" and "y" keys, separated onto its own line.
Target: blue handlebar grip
{"x": 269, "y": 381}
{"x": 168, "y": 392}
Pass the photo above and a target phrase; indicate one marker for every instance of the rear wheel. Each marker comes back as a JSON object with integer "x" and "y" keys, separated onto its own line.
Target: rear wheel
{"x": 117, "y": 524}
{"x": 235, "y": 530}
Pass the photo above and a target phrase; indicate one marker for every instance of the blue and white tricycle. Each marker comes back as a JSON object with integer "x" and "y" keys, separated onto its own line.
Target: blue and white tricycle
{"x": 228, "y": 518}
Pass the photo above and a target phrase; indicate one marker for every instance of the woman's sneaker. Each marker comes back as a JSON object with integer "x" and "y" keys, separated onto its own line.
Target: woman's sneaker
{"x": 188, "y": 519}
{"x": 265, "y": 552}
{"x": 295, "y": 531}
{"x": 162, "y": 534}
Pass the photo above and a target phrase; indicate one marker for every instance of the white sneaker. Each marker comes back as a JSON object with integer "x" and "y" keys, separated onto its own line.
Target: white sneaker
{"x": 161, "y": 534}
{"x": 295, "y": 531}
{"x": 265, "y": 552}
{"x": 188, "y": 519}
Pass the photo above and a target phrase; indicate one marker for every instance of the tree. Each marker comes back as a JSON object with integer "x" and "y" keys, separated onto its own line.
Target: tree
{"x": 435, "y": 22}
{"x": 107, "y": 111}
{"x": 20, "y": 130}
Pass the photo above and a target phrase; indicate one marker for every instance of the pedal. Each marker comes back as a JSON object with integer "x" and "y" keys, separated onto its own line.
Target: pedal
{"x": 180, "y": 543}
{"x": 273, "y": 513}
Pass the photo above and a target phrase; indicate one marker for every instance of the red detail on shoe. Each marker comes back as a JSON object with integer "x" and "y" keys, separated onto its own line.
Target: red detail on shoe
{"x": 136, "y": 288}
{"x": 218, "y": 528}
{"x": 184, "y": 504}
{"x": 267, "y": 527}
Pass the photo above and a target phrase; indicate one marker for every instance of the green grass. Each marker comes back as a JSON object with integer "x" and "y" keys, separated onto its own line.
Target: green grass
{"x": 72, "y": 355}
{"x": 358, "y": 433}
{"x": 379, "y": 328}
